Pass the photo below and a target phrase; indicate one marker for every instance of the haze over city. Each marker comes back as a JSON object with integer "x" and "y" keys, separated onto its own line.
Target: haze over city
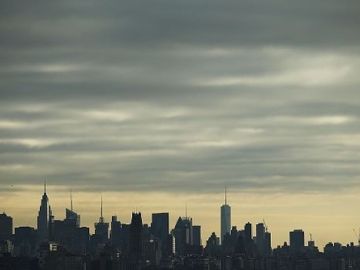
{"x": 159, "y": 104}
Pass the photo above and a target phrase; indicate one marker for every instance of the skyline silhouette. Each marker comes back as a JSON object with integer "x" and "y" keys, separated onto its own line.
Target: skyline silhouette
{"x": 57, "y": 243}
{"x": 183, "y": 99}
{"x": 143, "y": 111}
{"x": 207, "y": 227}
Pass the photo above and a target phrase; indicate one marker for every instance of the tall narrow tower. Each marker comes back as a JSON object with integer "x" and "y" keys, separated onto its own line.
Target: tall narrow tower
{"x": 44, "y": 216}
{"x": 225, "y": 222}
{"x": 102, "y": 227}
{"x": 71, "y": 201}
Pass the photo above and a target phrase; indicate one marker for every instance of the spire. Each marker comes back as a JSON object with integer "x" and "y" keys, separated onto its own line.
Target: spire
{"x": 225, "y": 195}
{"x": 71, "y": 200}
{"x": 101, "y": 208}
{"x": 45, "y": 186}
{"x": 101, "y": 219}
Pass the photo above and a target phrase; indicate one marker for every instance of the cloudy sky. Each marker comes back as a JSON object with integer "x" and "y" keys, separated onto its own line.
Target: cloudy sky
{"x": 156, "y": 104}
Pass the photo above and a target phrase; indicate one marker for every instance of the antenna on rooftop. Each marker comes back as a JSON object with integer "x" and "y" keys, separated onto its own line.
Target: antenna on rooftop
{"x": 71, "y": 200}
{"x": 225, "y": 195}
{"x": 101, "y": 208}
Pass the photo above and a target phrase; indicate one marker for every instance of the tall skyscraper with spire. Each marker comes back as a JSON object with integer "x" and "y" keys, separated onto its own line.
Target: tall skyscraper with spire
{"x": 101, "y": 227}
{"x": 71, "y": 215}
{"x": 44, "y": 217}
{"x": 225, "y": 219}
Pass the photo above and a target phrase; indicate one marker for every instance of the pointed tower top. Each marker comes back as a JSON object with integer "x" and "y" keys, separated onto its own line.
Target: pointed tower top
{"x": 225, "y": 195}
{"x": 101, "y": 219}
{"x": 71, "y": 200}
{"x": 45, "y": 186}
{"x": 101, "y": 208}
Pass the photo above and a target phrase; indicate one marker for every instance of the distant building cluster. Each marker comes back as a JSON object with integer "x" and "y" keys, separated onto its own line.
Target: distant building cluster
{"x": 65, "y": 245}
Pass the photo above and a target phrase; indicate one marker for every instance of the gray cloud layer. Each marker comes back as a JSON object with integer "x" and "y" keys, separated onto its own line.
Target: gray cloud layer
{"x": 180, "y": 95}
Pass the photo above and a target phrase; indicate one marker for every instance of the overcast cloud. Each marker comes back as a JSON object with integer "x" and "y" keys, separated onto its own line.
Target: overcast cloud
{"x": 180, "y": 96}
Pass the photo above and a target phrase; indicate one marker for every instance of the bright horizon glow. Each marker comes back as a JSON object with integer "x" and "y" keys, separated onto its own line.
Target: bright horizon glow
{"x": 282, "y": 213}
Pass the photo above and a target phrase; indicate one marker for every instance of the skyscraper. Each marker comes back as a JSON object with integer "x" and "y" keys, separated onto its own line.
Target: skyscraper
{"x": 6, "y": 227}
{"x": 160, "y": 229}
{"x": 260, "y": 238}
{"x": 71, "y": 215}
{"x": 25, "y": 240}
{"x": 197, "y": 235}
{"x": 225, "y": 218}
{"x": 116, "y": 232}
{"x": 263, "y": 239}
{"x": 297, "y": 240}
{"x": 101, "y": 227}
{"x": 267, "y": 244}
{"x": 135, "y": 237}
{"x": 44, "y": 217}
{"x": 183, "y": 233}
{"x": 248, "y": 232}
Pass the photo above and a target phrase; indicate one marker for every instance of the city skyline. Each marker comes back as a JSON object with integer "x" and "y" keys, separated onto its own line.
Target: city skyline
{"x": 158, "y": 105}
{"x": 124, "y": 215}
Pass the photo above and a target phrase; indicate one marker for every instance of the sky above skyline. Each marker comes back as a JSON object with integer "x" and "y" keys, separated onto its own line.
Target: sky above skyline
{"x": 159, "y": 100}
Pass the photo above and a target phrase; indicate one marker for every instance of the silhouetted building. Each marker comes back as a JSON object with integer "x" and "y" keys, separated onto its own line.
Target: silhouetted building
{"x": 225, "y": 212}
{"x": 116, "y": 232}
{"x": 82, "y": 236}
{"x": 25, "y": 242}
{"x": 248, "y": 232}
{"x": 72, "y": 217}
{"x": 311, "y": 243}
{"x": 233, "y": 237}
{"x": 260, "y": 238}
{"x": 125, "y": 236}
{"x": 136, "y": 241}
{"x": 152, "y": 252}
{"x": 212, "y": 248}
{"x": 101, "y": 229}
{"x": 6, "y": 227}
{"x": 54, "y": 257}
{"x": 267, "y": 244}
{"x": 183, "y": 234}
{"x": 297, "y": 241}
{"x": 44, "y": 218}
{"x": 196, "y": 235}
{"x": 68, "y": 234}
{"x": 160, "y": 229}
{"x": 263, "y": 240}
